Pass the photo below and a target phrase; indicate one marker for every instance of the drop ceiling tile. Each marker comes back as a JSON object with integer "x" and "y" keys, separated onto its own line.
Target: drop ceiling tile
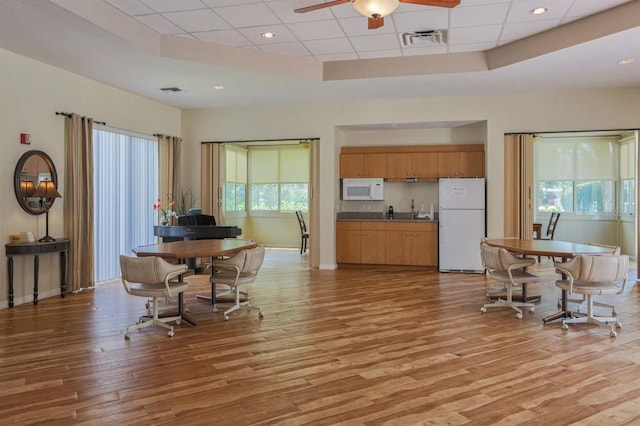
{"x": 375, "y": 42}
{"x": 290, "y": 49}
{"x": 226, "y": 37}
{"x": 479, "y": 15}
{"x": 284, "y": 9}
{"x": 220, "y": 3}
{"x": 327, "y": 47}
{"x": 337, "y": 57}
{"x": 519, "y": 11}
{"x": 473, "y": 34}
{"x": 424, "y": 49}
{"x": 160, "y": 24}
{"x": 584, "y": 8}
{"x": 316, "y": 30}
{"x": 516, "y": 31}
{"x": 344, "y": 11}
{"x": 380, "y": 54}
{"x": 248, "y": 15}
{"x": 197, "y": 20}
{"x": 131, "y": 7}
{"x": 471, "y": 47}
{"x": 162, "y": 6}
{"x": 436, "y": 19}
{"x": 283, "y": 35}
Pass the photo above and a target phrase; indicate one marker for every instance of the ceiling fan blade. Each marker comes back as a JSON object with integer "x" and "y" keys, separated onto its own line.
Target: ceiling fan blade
{"x": 320, "y": 6}
{"x": 436, "y": 3}
{"x": 376, "y": 23}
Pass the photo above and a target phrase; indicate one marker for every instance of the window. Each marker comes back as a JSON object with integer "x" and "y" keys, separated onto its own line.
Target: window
{"x": 576, "y": 175}
{"x": 279, "y": 178}
{"x": 125, "y": 189}
{"x": 235, "y": 179}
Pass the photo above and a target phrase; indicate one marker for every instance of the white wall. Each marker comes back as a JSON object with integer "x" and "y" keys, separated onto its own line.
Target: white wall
{"x": 541, "y": 112}
{"x": 32, "y": 92}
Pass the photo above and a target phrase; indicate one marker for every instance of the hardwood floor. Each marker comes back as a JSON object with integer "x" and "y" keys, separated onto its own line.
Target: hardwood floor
{"x": 352, "y": 346}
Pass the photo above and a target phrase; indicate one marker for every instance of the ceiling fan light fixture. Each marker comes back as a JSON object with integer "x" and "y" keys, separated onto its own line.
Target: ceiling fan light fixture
{"x": 376, "y": 8}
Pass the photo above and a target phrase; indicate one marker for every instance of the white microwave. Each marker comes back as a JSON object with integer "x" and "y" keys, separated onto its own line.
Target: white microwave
{"x": 363, "y": 189}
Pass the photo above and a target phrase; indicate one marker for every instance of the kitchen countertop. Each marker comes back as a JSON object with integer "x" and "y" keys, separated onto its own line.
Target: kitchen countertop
{"x": 379, "y": 217}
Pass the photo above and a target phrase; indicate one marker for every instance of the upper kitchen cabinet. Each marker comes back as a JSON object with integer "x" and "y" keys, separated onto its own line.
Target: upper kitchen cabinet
{"x": 461, "y": 164}
{"x": 363, "y": 165}
{"x": 421, "y": 165}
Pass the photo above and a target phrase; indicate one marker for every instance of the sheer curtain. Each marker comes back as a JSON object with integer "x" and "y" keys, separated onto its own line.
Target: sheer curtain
{"x": 78, "y": 200}
{"x": 518, "y": 185}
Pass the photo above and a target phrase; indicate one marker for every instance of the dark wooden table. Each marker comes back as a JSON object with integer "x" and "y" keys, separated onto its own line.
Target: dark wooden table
{"x": 551, "y": 248}
{"x": 187, "y": 249}
{"x": 61, "y": 245}
{"x": 537, "y": 230}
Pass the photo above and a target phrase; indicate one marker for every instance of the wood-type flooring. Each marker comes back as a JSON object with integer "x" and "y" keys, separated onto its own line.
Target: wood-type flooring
{"x": 352, "y": 346}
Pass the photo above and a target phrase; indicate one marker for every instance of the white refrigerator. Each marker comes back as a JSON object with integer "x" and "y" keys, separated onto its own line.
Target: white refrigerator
{"x": 462, "y": 224}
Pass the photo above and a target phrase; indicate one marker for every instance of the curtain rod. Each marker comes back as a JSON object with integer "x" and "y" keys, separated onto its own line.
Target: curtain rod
{"x": 303, "y": 140}
{"x": 160, "y": 134}
{"x": 68, "y": 115}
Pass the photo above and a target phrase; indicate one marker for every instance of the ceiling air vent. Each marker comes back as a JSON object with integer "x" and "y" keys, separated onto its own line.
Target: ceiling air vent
{"x": 171, "y": 89}
{"x": 430, "y": 36}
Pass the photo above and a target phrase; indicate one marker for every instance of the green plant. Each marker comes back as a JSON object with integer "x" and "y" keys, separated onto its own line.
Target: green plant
{"x": 185, "y": 201}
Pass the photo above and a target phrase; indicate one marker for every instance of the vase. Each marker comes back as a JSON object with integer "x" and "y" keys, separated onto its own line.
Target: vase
{"x": 164, "y": 220}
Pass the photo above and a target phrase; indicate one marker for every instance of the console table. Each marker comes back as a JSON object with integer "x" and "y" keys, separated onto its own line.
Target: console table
{"x": 61, "y": 245}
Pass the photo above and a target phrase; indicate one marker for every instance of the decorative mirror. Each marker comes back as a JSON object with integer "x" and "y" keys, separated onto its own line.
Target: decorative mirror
{"x": 34, "y": 168}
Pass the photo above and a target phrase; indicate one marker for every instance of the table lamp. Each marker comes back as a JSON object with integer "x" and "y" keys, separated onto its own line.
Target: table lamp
{"x": 46, "y": 189}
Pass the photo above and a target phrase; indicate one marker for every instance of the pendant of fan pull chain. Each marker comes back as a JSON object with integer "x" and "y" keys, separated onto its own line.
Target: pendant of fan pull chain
{"x": 376, "y": 10}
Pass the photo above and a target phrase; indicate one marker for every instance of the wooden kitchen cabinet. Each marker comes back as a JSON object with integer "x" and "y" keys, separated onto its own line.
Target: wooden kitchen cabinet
{"x": 360, "y": 242}
{"x": 412, "y": 165}
{"x": 412, "y": 243}
{"x": 461, "y": 164}
{"x": 363, "y": 165}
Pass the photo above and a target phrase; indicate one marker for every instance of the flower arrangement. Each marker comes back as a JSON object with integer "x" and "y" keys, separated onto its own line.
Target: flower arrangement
{"x": 166, "y": 212}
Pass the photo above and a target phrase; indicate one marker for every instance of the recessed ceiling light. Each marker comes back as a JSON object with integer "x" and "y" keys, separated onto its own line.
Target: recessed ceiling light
{"x": 218, "y": 87}
{"x": 268, "y": 35}
{"x": 538, "y": 11}
{"x": 626, "y": 61}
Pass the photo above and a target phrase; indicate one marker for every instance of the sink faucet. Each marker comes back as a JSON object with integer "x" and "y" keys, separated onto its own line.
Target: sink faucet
{"x": 413, "y": 209}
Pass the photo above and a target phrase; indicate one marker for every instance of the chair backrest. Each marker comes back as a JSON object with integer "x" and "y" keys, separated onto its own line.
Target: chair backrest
{"x": 590, "y": 268}
{"x": 303, "y": 226}
{"x": 142, "y": 270}
{"x": 553, "y": 221}
{"x": 500, "y": 259}
{"x": 253, "y": 260}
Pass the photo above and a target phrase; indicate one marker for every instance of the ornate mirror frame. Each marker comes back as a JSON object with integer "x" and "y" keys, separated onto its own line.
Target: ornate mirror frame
{"x": 33, "y": 167}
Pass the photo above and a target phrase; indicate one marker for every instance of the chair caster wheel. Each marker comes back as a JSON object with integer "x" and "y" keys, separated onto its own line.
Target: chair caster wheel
{"x": 178, "y": 321}
{"x": 170, "y": 333}
{"x": 532, "y": 309}
{"x": 483, "y": 309}
{"x": 618, "y": 325}
{"x": 260, "y": 315}
{"x": 519, "y": 315}
{"x": 127, "y": 336}
{"x": 565, "y": 326}
{"x": 226, "y": 318}
{"x": 613, "y": 333}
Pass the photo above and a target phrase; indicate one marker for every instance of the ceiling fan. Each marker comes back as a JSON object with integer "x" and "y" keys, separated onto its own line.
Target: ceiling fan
{"x": 376, "y": 10}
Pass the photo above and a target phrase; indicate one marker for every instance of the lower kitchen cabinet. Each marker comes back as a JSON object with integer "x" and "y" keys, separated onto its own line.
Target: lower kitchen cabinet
{"x": 390, "y": 243}
{"x": 360, "y": 242}
{"x": 411, "y": 243}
